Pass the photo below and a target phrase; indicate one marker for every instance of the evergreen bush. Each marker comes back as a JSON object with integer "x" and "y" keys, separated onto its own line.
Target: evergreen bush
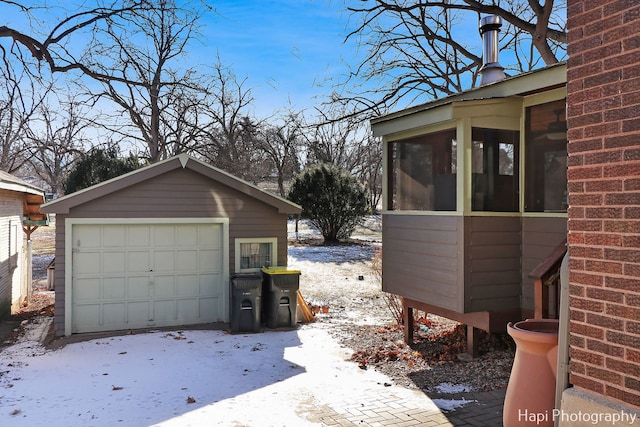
{"x": 98, "y": 165}
{"x": 332, "y": 199}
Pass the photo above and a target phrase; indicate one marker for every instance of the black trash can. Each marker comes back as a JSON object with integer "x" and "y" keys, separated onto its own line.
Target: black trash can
{"x": 280, "y": 292}
{"x": 246, "y": 292}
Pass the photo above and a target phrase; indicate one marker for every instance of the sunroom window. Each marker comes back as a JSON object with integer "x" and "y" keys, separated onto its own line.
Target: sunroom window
{"x": 252, "y": 254}
{"x": 494, "y": 167}
{"x": 546, "y": 158}
{"x": 423, "y": 173}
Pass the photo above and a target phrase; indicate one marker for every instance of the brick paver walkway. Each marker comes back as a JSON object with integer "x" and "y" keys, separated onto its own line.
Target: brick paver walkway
{"x": 402, "y": 407}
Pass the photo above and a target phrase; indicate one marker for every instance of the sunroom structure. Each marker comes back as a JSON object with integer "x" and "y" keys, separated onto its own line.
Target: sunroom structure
{"x": 474, "y": 198}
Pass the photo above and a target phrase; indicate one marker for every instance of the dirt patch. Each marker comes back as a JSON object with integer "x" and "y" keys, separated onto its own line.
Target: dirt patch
{"x": 436, "y": 357}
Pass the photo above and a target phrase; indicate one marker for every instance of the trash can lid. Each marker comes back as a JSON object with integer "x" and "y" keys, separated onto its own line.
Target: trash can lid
{"x": 279, "y": 270}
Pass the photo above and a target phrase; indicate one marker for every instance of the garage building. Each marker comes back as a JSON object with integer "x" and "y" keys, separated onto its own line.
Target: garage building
{"x": 156, "y": 247}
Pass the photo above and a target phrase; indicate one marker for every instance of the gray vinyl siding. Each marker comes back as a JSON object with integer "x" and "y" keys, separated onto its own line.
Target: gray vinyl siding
{"x": 422, "y": 258}
{"x": 540, "y": 236}
{"x": 492, "y": 264}
{"x": 179, "y": 193}
{"x": 467, "y": 264}
{"x": 59, "y": 278}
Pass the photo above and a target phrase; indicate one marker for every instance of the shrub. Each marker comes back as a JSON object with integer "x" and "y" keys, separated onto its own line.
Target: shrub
{"x": 99, "y": 165}
{"x": 333, "y": 200}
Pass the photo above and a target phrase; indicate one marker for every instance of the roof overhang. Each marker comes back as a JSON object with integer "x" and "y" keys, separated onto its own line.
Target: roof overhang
{"x": 12, "y": 183}
{"x": 32, "y": 198}
{"x": 522, "y": 85}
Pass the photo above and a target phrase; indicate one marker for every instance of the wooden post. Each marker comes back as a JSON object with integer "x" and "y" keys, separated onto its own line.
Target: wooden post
{"x": 407, "y": 320}
{"x": 472, "y": 342}
{"x": 29, "y": 260}
{"x": 537, "y": 298}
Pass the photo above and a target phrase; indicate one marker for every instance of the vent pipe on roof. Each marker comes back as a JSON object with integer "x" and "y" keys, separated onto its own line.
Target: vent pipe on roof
{"x": 491, "y": 70}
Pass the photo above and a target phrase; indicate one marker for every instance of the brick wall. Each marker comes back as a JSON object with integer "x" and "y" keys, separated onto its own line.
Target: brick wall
{"x": 603, "y": 111}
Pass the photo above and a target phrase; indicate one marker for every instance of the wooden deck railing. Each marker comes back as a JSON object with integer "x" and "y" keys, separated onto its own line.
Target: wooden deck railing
{"x": 545, "y": 275}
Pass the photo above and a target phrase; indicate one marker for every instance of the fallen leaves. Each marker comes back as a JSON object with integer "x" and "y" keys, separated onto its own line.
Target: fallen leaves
{"x": 434, "y": 356}
{"x": 389, "y": 350}
{"x": 191, "y": 400}
{"x": 178, "y": 337}
{"x": 437, "y": 346}
{"x": 116, "y": 388}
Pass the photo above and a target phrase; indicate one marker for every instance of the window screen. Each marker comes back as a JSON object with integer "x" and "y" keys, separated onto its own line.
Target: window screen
{"x": 546, "y": 158}
{"x": 494, "y": 166}
{"x": 423, "y": 173}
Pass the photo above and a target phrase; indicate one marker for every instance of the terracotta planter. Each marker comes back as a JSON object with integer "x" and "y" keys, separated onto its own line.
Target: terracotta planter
{"x": 530, "y": 396}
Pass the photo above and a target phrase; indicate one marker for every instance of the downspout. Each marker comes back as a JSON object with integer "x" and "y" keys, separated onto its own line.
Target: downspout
{"x": 562, "y": 378}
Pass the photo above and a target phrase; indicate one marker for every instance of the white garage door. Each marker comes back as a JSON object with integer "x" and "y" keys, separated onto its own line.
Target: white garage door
{"x": 129, "y": 276}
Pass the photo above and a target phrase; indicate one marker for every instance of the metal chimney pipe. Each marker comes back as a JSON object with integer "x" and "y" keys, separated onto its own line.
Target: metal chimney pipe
{"x": 491, "y": 70}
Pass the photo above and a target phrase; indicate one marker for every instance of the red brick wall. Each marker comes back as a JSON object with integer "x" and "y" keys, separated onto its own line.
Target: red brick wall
{"x": 603, "y": 111}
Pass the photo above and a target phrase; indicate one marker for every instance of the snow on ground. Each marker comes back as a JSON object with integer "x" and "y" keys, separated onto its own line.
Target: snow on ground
{"x": 452, "y": 388}
{"x": 341, "y": 275}
{"x": 182, "y": 378}
{"x": 451, "y": 404}
{"x": 208, "y": 377}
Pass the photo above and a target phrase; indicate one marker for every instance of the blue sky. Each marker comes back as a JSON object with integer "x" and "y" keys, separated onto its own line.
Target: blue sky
{"x": 286, "y": 49}
{"x": 291, "y": 52}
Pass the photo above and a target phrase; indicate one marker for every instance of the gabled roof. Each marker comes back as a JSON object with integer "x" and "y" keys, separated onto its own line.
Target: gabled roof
{"x": 12, "y": 183}
{"x": 63, "y": 204}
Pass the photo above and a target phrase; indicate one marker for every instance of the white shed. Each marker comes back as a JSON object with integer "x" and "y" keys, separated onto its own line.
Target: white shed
{"x": 19, "y": 215}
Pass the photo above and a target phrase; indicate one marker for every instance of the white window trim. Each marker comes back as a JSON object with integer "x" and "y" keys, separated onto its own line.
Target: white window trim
{"x": 240, "y": 240}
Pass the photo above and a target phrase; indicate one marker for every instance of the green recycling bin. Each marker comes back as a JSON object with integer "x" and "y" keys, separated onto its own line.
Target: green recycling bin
{"x": 246, "y": 294}
{"x": 280, "y": 293}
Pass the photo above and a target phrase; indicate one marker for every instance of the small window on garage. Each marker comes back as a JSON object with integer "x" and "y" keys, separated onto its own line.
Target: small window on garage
{"x": 252, "y": 254}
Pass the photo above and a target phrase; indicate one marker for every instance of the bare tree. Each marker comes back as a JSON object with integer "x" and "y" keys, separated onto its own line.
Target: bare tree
{"x": 56, "y": 141}
{"x": 335, "y": 137}
{"x": 280, "y": 142}
{"x": 369, "y": 171}
{"x": 148, "y": 83}
{"x": 229, "y": 131}
{"x": 420, "y": 47}
{"x": 20, "y": 100}
{"x": 342, "y": 139}
{"x": 182, "y": 121}
{"x": 128, "y": 46}
{"x": 52, "y": 48}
